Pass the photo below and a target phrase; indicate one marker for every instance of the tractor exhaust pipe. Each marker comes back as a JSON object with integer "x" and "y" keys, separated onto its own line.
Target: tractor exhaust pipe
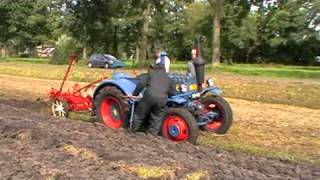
{"x": 199, "y": 65}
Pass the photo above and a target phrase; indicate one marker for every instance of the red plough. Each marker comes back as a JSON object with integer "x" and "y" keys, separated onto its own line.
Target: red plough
{"x": 79, "y": 99}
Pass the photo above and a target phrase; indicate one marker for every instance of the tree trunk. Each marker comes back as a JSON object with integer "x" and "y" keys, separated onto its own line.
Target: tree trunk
{"x": 115, "y": 42}
{"x": 137, "y": 56}
{"x": 144, "y": 33}
{"x": 3, "y": 51}
{"x": 84, "y": 52}
{"x": 216, "y": 48}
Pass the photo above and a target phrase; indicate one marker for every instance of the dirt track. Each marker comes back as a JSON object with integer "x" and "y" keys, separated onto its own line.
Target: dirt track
{"x": 34, "y": 145}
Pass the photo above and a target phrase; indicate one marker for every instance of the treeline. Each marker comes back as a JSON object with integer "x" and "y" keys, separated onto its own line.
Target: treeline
{"x": 232, "y": 31}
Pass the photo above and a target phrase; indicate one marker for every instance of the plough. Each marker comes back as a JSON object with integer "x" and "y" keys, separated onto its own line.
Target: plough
{"x": 78, "y": 99}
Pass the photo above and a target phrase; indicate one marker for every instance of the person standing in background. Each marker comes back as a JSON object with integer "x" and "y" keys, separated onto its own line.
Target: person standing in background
{"x": 162, "y": 58}
{"x": 191, "y": 69}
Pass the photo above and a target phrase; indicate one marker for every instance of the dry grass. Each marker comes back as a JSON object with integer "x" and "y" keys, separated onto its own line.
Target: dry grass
{"x": 279, "y": 131}
{"x": 160, "y": 172}
{"x": 45, "y": 71}
{"x": 198, "y": 175}
{"x": 292, "y": 92}
{"x": 24, "y": 135}
{"x": 83, "y": 153}
{"x": 146, "y": 172}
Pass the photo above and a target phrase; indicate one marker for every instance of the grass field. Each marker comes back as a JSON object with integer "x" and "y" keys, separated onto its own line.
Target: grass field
{"x": 278, "y": 71}
{"x": 272, "y": 90}
{"x": 281, "y": 71}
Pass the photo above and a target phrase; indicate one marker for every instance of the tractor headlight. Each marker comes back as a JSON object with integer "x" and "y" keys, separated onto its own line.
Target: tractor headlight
{"x": 184, "y": 88}
{"x": 111, "y": 62}
{"x": 210, "y": 82}
{"x": 193, "y": 87}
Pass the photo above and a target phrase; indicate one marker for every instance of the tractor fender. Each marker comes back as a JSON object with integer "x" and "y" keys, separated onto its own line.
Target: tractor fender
{"x": 215, "y": 91}
{"x": 177, "y": 100}
{"x": 125, "y": 85}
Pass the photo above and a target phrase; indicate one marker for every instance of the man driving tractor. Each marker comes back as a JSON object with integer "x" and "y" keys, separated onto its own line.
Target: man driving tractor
{"x": 152, "y": 105}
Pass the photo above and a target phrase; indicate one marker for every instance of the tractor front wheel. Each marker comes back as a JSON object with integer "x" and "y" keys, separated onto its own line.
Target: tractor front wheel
{"x": 179, "y": 125}
{"x": 220, "y": 106}
{"x": 111, "y": 107}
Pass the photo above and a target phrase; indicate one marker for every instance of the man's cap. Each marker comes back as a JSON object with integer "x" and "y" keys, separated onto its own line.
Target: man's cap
{"x": 163, "y": 53}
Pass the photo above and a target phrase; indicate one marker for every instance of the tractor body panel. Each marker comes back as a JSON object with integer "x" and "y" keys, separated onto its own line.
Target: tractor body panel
{"x": 127, "y": 86}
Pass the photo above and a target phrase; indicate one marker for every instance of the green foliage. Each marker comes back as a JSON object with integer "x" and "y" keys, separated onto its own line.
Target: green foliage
{"x": 283, "y": 33}
{"x": 65, "y": 47}
{"x": 25, "y": 23}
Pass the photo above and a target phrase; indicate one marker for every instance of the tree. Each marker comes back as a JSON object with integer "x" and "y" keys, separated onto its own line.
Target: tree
{"x": 25, "y": 23}
{"x": 217, "y": 8}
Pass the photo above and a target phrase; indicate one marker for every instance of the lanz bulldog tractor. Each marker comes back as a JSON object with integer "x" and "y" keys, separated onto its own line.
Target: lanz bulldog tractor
{"x": 197, "y": 105}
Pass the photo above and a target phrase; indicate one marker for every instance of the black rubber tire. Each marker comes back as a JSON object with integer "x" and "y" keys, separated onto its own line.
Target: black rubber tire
{"x": 225, "y": 109}
{"x": 116, "y": 93}
{"x": 188, "y": 117}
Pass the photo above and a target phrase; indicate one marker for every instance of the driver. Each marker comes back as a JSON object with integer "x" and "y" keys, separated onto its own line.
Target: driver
{"x": 158, "y": 87}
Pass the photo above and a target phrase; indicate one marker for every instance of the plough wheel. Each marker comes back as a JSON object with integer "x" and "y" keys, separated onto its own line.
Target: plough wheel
{"x": 60, "y": 108}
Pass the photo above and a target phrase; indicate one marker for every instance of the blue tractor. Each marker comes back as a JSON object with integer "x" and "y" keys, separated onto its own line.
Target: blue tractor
{"x": 191, "y": 109}
{"x": 197, "y": 105}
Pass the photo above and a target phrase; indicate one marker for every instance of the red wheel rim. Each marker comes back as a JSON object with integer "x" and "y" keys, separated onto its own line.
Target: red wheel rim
{"x": 217, "y": 123}
{"x": 175, "y": 128}
{"x": 111, "y": 113}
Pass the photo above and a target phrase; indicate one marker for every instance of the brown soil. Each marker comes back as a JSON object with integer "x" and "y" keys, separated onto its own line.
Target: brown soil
{"x": 34, "y": 145}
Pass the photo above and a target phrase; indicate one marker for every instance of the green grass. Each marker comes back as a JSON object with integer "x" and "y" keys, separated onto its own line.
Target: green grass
{"x": 281, "y": 71}
{"x": 274, "y": 71}
{"x": 26, "y": 60}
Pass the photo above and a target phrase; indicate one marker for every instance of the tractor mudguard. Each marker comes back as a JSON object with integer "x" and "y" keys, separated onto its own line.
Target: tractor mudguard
{"x": 125, "y": 85}
{"x": 212, "y": 90}
{"x": 177, "y": 100}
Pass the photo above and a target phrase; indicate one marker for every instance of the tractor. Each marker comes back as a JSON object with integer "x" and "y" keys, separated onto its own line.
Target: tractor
{"x": 198, "y": 105}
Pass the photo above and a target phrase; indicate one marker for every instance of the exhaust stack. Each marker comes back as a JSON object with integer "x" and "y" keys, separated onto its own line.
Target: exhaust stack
{"x": 199, "y": 65}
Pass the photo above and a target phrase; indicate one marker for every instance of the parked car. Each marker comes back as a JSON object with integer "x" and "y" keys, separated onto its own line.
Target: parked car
{"x": 104, "y": 61}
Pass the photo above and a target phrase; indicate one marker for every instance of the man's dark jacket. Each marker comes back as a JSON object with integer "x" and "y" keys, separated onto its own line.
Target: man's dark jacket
{"x": 157, "y": 84}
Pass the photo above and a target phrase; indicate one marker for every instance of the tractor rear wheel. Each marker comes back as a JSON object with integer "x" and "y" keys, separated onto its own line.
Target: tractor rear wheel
{"x": 111, "y": 107}
{"x": 221, "y": 106}
{"x": 179, "y": 125}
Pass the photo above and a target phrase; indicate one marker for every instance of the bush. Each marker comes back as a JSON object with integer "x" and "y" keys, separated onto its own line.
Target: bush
{"x": 65, "y": 46}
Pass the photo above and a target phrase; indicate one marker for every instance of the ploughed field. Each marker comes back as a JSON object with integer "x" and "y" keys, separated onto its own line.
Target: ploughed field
{"x": 34, "y": 145}
{"x": 266, "y": 141}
